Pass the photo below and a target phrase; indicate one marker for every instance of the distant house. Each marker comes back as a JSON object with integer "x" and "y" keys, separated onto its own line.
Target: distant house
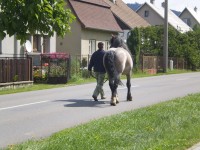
{"x": 126, "y": 17}
{"x": 155, "y": 16}
{"x": 190, "y": 16}
{"x": 94, "y": 23}
{"x": 11, "y": 47}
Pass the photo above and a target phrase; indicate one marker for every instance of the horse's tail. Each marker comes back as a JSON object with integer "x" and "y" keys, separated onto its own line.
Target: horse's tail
{"x": 109, "y": 64}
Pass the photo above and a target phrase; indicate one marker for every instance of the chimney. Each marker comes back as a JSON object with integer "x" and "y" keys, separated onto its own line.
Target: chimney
{"x": 195, "y": 9}
{"x": 163, "y": 4}
{"x": 114, "y": 1}
{"x": 152, "y": 1}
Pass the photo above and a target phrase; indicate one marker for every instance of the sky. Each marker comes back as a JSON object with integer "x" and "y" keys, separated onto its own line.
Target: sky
{"x": 177, "y": 5}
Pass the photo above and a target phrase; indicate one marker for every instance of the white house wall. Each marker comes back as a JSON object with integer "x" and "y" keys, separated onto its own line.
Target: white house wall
{"x": 52, "y": 44}
{"x": 10, "y": 47}
{"x": 187, "y": 15}
{"x": 153, "y": 18}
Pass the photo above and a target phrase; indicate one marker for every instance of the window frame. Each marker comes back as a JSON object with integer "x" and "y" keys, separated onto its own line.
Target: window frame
{"x": 46, "y": 44}
{"x": 37, "y": 43}
{"x": 92, "y": 46}
{"x": 146, "y": 13}
{"x": 1, "y": 47}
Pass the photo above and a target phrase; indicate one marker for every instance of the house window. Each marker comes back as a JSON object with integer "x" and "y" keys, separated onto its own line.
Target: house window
{"x": 36, "y": 43}
{"x": 92, "y": 46}
{"x": 0, "y": 46}
{"x": 107, "y": 45}
{"x": 46, "y": 44}
{"x": 187, "y": 21}
{"x": 128, "y": 34}
{"x": 146, "y": 13}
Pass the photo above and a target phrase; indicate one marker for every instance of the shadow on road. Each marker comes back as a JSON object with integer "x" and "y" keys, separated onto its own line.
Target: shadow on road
{"x": 82, "y": 103}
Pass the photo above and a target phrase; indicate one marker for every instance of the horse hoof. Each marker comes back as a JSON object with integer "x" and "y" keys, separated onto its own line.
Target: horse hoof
{"x": 113, "y": 104}
{"x": 129, "y": 99}
{"x": 117, "y": 102}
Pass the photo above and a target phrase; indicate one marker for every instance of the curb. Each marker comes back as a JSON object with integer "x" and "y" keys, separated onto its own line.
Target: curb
{"x": 195, "y": 147}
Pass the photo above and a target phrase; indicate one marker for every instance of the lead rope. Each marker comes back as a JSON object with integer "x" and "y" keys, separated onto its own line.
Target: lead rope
{"x": 92, "y": 74}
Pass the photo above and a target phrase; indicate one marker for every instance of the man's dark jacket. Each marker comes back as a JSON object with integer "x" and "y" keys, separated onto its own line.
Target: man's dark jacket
{"x": 96, "y": 61}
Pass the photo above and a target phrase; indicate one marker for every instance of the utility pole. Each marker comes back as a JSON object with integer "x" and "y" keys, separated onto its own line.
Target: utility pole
{"x": 165, "y": 48}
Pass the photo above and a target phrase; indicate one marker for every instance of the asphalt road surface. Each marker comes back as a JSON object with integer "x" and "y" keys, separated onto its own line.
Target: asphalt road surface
{"x": 38, "y": 114}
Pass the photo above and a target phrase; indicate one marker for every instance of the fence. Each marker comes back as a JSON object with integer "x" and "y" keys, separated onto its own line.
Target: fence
{"x": 21, "y": 69}
{"x": 156, "y": 62}
{"x": 146, "y": 62}
{"x": 14, "y": 69}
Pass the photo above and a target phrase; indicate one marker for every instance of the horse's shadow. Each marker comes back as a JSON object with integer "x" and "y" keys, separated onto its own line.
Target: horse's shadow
{"x": 82, "y": 103}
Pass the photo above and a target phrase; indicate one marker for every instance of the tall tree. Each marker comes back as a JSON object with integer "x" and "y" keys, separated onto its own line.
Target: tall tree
{"x": 25, "y": 17}
{"x": 134, "y": 42}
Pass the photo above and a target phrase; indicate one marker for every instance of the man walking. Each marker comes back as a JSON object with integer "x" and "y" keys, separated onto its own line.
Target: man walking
{"x": 96, "y": 62}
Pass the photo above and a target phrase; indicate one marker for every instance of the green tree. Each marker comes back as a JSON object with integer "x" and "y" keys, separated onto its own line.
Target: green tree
{"x": 27, "y": 17}
{"x": 134, "y": 42}
{"x": 196, "y": 27}
{"x": 193, "y": 48}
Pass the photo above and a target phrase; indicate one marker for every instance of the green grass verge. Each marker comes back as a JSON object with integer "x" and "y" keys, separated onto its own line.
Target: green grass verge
{"x": 173, "y": 125}
{"x": 37, "y": 86}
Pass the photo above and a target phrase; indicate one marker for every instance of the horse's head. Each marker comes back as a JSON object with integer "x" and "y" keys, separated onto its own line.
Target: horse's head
{"x": 116, "y": 41}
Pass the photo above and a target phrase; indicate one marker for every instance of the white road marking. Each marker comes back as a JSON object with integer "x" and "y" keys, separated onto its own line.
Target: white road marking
{"x": 181, "y": 79}
{"x": 5, "y": 108}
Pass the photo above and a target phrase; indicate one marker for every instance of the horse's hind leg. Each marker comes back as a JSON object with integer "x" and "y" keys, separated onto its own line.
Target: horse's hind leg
{"x": 114, "y": 97}
{"x": 117, "y": 98}
{"x": 128, "y": 84}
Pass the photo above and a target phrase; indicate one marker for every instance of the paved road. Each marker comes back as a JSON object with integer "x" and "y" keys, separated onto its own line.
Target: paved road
{"x": 40, "y": 113}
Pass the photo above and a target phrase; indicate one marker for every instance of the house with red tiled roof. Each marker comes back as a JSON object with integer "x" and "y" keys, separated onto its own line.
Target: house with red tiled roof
{"x": 95, "y": 22}
{"x": 126, "y": 17}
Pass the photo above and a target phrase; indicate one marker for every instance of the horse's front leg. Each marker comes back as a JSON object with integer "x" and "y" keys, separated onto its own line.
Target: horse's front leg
{"x": 128, "y": 84}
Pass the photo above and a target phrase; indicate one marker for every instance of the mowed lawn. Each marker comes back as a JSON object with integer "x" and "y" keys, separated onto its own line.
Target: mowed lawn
{"x": 172, "y": 125}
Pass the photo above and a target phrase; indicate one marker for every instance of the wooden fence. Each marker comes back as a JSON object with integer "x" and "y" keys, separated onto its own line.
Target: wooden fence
{"x": 156, "y": 62}
{"x": 146, "y": 62}
{"x": 13, "y": 69}
{"x": 21, "y": 68}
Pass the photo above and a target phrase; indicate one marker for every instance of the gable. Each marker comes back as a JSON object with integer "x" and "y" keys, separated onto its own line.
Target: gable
{"x": 173, "y": 20}
{"x": 195, "y": 15}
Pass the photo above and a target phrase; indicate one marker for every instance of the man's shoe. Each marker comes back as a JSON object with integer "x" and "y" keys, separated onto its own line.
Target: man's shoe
{"x": 95, "y": 98}
{"x": 103, "y": 97}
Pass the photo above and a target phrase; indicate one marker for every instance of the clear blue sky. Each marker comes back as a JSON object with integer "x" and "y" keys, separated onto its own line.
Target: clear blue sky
{"x": 178, "y": 5}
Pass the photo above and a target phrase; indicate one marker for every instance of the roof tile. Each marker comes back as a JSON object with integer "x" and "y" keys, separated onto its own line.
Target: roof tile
{"x": 126, "y": 14}
{"x": 95, "y": 16}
